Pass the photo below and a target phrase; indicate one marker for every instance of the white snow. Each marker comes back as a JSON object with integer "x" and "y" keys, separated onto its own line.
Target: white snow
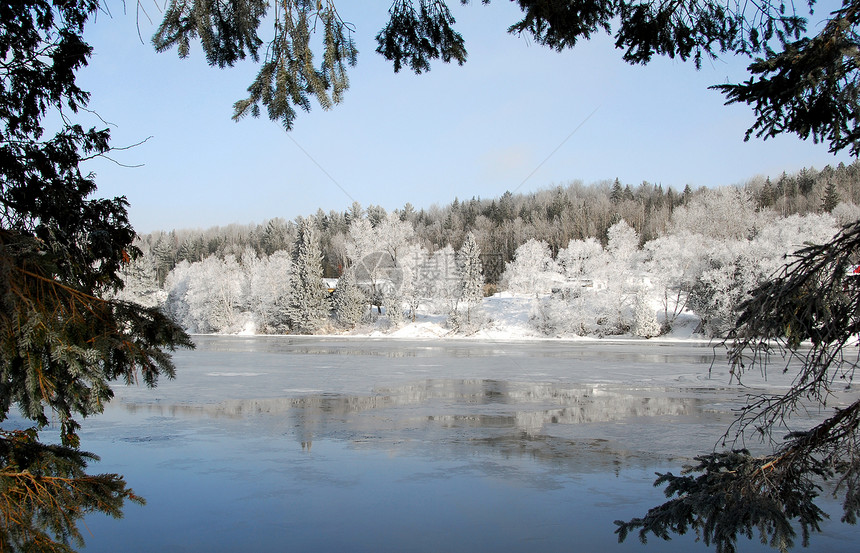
{"x": 505, "y": 316}
{"x": 690, "y": 280}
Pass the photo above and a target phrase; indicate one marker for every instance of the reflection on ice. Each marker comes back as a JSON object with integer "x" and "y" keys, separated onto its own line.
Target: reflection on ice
{"x": 310, "y": 444}
{"x": 466, "y": 412}
{"x": 563, "y": 404}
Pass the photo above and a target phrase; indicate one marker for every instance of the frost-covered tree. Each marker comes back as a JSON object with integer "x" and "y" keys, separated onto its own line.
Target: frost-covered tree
{"x": 674, "y": 263}
{"x": 141, "y": 283}
{"x": 362, "y": 241}
{"x": 622, "y": 276}
{"x": 783, "y": 236}
{"x": 719, "y": 213}
{"x": 268, "y": 290}
{"x": 393, "y": 304}
{"x": 846, "y": 213}
{"x": 732, "y": 271}
{"x": 622, "y": 242}
{"x": 803, "y": 320}
{"x": 471, "y": 275}
{"x": 735, "y": 267}
{"x": 309, "y": 307}
{"x": 645, "y": 323}
{"x": 393, "y": 236}
{"x": 532, "y": 270}
{"x": 582, "y": 260}
{"x": 439, "y": 280}
{"x": 413, "y": 285}
{"x": 375, "y": 252}
{"x": 350, "y": 302}
{"x": 206, "y": 296}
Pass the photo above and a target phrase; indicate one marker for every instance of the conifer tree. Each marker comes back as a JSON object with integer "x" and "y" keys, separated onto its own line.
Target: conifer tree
{"x": 799, "y": 84}
{"x": 471, "y": 275}
{"x": 807, "y": 315}
{"x": 350, "y": 302}
{"x": 309, "y": 306}
{"x": 767, "y": 196}
{"x": 617, "y": 193}
{"x": 686, "y": 195}
{"x": 64, "y": 336}
{"x": 393, "y": 304}
{"x": 831, "y": 197}
{"x": 414, "y": 279}
{"x": 60, "y": 251}
{"x": 645, "y": 322}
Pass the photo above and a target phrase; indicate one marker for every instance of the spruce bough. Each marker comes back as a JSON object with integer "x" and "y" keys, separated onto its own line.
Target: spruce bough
{"x": 62, "y": 340}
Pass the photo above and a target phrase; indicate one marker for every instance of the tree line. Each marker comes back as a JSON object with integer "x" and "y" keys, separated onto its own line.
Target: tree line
{"x": 664, "y": 255}
{"x": 66, "y": 336}
{"x": 501, "y": 225}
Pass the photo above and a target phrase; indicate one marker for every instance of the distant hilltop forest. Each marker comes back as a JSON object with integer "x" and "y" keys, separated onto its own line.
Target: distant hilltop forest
{"x": 598, "y": 260}
{"x": 501, "y": 225}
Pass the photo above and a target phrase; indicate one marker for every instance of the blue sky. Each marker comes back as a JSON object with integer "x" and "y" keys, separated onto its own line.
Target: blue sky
{"x": 503, "y": 121}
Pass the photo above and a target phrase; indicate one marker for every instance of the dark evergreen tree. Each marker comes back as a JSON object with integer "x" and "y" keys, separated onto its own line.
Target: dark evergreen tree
{"x": 62, "y": 341}
{"x": 628, "y": 193}
{"x": 617, "y": 193}
{"x": 686, "y": 194}
{"x": 831, "y": 197}
{"x": 165, "y": 258}
{"x": 802, "y": 85}
{"x": 767, "y": 195}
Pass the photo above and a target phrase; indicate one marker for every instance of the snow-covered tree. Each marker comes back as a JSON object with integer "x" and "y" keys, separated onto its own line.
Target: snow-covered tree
{"x": 674, "y": 264}
{"x": 471, "y": 276}
{"x": 582, "y": 259}
{"x": 439, "y": 280}
{"x": 376, "y": 252}
{"x": 176, "y": 286}
{"x": 393, "y": 305}
{"x": 308, "y": 308}
{"x": 846, "y": 213}
{"x": 141, "y": 283}
{"x": 207, "y": 296}
{"x": 268, "y": 290}
{"x": 613, "y": 304}
{"x": 413, "y": 285}
{"x": 719, "y": 213}
{"x": 622, "y": 242}
{"x": 645, "y": 322}
{"x": 350, "y": 302}
{"x": 737, "y": 267}
{"x": 362, "y": 240}
{"x": 393, "y": 236}
{"x": 732, "y": 271}
{"x": 533, "y": 270}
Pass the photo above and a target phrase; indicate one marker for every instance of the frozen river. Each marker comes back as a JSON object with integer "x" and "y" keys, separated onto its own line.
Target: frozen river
{"x": 376, "y": 445}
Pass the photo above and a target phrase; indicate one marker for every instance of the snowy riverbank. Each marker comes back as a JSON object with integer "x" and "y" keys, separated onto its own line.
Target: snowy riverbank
{"x": 503, "y": 316}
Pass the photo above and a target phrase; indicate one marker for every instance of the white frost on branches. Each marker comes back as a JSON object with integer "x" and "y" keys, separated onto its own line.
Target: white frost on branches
{"x": 716, "y": 249}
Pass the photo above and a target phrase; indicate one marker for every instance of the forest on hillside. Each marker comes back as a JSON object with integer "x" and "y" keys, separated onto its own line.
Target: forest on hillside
{"x": 601, "y": 259}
